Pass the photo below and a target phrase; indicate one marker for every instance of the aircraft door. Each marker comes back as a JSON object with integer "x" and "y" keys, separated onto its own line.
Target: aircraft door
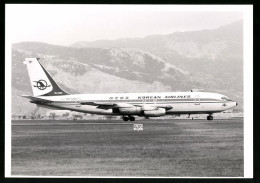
{"x": 197, "y": 100}
{"x": 78, "y": 102}
{"x": 155, "y": 100}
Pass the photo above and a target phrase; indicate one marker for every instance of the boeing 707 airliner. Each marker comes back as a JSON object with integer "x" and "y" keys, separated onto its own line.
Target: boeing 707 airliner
{"x": 48, "y": 94}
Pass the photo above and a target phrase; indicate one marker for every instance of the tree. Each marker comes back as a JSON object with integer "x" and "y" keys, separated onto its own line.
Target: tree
{"x": 52, "y": 115}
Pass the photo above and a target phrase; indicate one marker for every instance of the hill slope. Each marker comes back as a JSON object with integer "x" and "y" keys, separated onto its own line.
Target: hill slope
{"x": 211, "y": 54}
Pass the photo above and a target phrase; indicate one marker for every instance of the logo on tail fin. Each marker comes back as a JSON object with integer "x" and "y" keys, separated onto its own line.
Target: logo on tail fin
{"x": 41, "y": 84}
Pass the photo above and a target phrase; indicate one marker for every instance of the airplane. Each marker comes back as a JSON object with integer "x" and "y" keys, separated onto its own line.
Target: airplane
{"x": 48, "y": 94}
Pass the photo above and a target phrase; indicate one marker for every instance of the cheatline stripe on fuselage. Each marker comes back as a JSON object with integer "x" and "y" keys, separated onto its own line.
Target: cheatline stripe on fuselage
{"x": 146, "y": 103}
{"x": 148, "y": 100}
{"x": 143, "y": 102}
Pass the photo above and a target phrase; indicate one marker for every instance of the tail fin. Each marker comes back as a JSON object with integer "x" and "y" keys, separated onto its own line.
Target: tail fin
{"x": 41, "y": 81}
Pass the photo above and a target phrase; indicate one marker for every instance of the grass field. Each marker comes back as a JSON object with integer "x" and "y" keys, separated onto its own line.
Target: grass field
{"x": 165, "y": 148}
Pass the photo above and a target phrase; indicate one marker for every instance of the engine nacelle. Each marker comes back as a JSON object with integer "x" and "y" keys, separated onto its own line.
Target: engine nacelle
{"x": 130, "y": 110}
{"x": 155, "y": 113}
{"x": 123, "y": 105}
{"x": 148, "y": 108}
{"x": 168, "y": 107}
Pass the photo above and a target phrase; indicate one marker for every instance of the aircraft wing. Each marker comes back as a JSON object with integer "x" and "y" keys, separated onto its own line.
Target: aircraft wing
{"x": 105, "y": 105}
{"x": 111, "y": 105}
{"x": 96, "y": 103}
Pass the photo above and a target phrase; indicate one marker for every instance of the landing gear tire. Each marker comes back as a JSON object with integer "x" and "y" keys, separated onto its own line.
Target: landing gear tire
{"x": 125, "y": 118}
{"x": 132, "y": 118}
{"x": 209, "y": 117}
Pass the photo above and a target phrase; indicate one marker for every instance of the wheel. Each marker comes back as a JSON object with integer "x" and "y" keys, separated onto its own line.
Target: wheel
{"x": 132, "y": 118}
{"x": 209, "y": 117}
{"x": 125, "y": 118}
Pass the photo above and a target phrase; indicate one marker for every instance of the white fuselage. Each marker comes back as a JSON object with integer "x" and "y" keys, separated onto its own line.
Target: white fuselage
{"x": 180, "y": 102}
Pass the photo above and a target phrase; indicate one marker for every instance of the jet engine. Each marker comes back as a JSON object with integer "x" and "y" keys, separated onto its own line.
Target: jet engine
{"x": 130, "y": 110}
{"x": 155, "y": 113}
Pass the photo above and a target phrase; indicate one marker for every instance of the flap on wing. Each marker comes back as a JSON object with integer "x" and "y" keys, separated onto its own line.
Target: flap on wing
{"x": 36, "y": 99}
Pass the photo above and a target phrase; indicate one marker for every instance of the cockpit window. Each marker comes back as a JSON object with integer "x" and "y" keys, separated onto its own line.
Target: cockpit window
{"x": 225, "y": 98}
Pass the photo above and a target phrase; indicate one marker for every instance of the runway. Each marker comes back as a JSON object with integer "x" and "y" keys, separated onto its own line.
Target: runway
{"x": 164, "y": 148}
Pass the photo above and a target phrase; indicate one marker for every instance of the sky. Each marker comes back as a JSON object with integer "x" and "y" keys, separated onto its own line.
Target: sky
{"x": 68, "y": 24}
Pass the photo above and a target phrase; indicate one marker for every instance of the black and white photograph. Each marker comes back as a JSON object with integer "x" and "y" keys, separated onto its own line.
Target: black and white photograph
{"x": 129, "y": 91}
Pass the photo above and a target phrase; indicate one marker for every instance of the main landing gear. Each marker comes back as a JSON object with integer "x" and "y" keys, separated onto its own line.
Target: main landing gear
{"x": 131, "y": 118}
{"x": 209, "y": 117}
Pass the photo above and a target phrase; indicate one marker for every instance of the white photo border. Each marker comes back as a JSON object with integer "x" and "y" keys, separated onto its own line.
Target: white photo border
{"x": 248, "y": 80}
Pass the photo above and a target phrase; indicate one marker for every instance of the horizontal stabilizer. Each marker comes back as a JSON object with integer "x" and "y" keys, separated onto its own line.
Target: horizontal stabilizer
{"x": 36, "y": 99}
